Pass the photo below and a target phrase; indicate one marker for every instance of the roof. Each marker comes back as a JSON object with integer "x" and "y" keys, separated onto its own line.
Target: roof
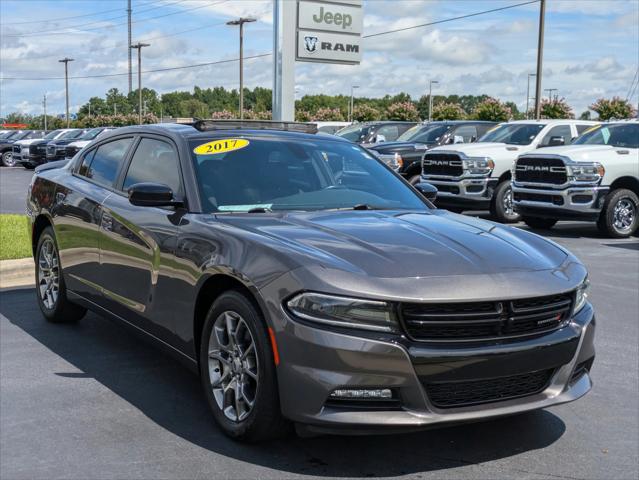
{"x": 550, "y": 121}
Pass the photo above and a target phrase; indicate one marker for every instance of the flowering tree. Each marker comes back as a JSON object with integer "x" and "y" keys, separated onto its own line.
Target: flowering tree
{"x": 365, "y": 113}
{"x": 448, "y": 111}
{"x": 303, "y": 116}
{"x": 223, "y": 115}
{"x": 492, "y": 110}
{"x": 328, "y": 114}
{"x": 614, "y": 108}
{"x": 556, "y": 108}
{"x": 402, "y": 111}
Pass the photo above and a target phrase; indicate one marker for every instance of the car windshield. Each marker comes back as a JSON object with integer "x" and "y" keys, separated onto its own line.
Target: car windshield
{"x": 424, "y": 133}
{"x": 51, "y": 135}
{"x": 72, "y": 134}
{"x": 9, "y": 134}
{"x": 262, "y": 174}
{"x": 354, "y": 133}
{"x": 513, "y": 133}
{"x": 91, "y": 134}
{"x": 616, "y": 135}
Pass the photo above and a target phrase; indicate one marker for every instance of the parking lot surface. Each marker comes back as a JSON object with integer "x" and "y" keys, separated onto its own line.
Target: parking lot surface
{"x": 92, "y": 401}
{"x": 13, "y": 187}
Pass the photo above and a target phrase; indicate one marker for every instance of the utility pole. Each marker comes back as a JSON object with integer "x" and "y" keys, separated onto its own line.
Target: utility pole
{"x": 115, "y": 108}
{"x": 528, "y": 96}
{"x": 550, "y": 90}
{"x": 66, "y": 61}
{"x": 89, "y": 108}
{"x": 350, "y": 116}
{"x": 540, "y": 58}
{"x": 138, "y": 46}
{"x": 44, "y": 105}
{"x": 128, "y": 11}
{"x": 430, "y": 100}
{"x": 241, "y": 21}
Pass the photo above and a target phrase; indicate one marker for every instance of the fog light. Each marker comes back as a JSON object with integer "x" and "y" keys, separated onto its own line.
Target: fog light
{"x": 362, "y": 393}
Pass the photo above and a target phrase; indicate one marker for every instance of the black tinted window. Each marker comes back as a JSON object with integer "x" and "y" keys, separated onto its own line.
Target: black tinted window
{"x": 617, "y": 135}
{"x": 105, "y": 161}
{"x": 154, "y": 161}
{"x": 562, "y": 131}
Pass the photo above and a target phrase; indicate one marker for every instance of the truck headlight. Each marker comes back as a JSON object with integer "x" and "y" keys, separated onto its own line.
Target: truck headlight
{"x": 587, "y": 172}
{"x": 479, "y": 166}
{"x": 582, "y": 295}
{"x": 344, "y": 312}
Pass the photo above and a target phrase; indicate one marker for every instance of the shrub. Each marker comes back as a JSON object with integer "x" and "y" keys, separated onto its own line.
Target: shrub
{"x": 448, "y": 111}
{"x": 365, "y": 113}
{"x": 402, "y": 111}
{"x": 556, "y": 108}
{"x": 223, "y": 115}
{"x": 492, "y": 110}
{"x": 328, "y": 114}
{"x": 613, "y": 108}
{"x": 303, "y": 116}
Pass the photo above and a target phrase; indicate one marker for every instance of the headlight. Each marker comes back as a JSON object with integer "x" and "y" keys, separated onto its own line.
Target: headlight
{"x": 479, "y": 166}
{"x": 587, "y": 172}
{"x": 582, "y": 295}
{"x": 344, "y": 312}
{"x": 393, "y": 160}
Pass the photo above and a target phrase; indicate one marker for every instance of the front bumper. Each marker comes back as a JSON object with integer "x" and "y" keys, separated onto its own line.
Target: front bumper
{"x": 471, "y": 193}
{"x": 315, "y": 361}
{"x": 577, "y": 202}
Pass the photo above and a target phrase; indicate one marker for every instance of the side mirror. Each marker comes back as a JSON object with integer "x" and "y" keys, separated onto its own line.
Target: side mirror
{"x": 427, "y": 190}
{"x": 152, "y": 195}
{"x": 556, "y": 141}
{"x": 380, "y": 138}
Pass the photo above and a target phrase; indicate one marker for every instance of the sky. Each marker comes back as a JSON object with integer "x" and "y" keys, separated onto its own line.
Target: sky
{"x": 591, "y": 49}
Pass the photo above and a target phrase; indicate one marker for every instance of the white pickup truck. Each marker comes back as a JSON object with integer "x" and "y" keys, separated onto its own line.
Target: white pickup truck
{"x": 477, "y": 176}
{"x": 595, "y": 179}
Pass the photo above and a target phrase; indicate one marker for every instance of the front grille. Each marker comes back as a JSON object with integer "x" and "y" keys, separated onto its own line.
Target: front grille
{"x": 71, "y": 151}
{"x": 50, "y": 150}
{"x": 541, "y": 170}
{"x": 38, "y": 149}
{"x": 538, "y": 197}
{"x": 448, "y": 164}
{"x": 15, "y": 149}
{"x": 476, "y": 321}
{"x": 475, "y": 392}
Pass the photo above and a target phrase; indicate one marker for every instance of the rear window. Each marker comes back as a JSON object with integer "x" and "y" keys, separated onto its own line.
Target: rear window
{"x": 103, "y": 163}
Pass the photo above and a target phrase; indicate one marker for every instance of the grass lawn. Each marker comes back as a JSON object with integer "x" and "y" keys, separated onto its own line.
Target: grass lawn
{"x": 14, "y": 239}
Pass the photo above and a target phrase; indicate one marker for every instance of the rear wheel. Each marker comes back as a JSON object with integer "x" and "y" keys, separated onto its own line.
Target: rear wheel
{"x": 619, "y": 217}
{"x": 8, "y": 160}
{"x": 501, "y": 206}
{"x": 237, "y": 370}
{"x": 538, "y": 222}
{"x": 50, "y": 288}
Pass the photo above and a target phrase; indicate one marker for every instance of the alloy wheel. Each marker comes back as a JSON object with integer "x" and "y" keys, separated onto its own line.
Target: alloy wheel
{"x": 507, "y": 202}
{"x": 233, "y": 366}
{"x": 8, "y": 159}
{"x": 48, "y": 274}
{"x": 624, "y": 215}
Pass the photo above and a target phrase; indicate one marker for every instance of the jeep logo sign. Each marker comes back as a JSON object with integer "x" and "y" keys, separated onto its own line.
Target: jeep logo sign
{"x": 329, "y": 32}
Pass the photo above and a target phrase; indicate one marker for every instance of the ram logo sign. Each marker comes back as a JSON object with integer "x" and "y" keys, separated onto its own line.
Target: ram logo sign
{"x": 310, "y": 43}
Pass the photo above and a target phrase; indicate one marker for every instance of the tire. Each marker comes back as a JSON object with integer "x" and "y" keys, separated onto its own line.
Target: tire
{"x": 414, "y": 179}
{"x": 540, "y": 223}
{"x": 501, "y": 205}
{"x": 257, "y": 415}
{"x": 7, "y": 159}
{"x": 619, "y": 216}
{"x": 54, "y": 304}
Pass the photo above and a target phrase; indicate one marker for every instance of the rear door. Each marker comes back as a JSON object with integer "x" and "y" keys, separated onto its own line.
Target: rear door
{"x": 78, "y": 214}
{"x": 137, "y": 244}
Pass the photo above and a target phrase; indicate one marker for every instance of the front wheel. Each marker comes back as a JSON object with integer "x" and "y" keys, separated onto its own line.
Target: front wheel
{"x": 50, "y": 288}
{"x": 237, "y": 370}
{"x": 619, "y": 217}
{"x": 540, "y": 223}
{"x": 8, "y": 160}
{"x": 501, "y": 207}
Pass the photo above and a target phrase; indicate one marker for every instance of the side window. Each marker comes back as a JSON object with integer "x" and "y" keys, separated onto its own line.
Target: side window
{"x": 558, "y": 131}
{"x": 467, "y": 132}
{"x": 582, "y": 128}
{"x": 103, "y": 163}
{"x": 390, "y": 132}
{"x": 154, "y": 161}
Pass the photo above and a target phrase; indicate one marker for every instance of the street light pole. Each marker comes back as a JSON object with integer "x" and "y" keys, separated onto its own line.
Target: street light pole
{"x": 540, "y": 58}
{"x": 44, "y": 105}
{"x": 66, "y": 61}
{"x": 430, "y": 100}
{"x": 351, "y": 109}
{"x": 241, "y": 21}
{"x": 528, "y": 96}
{"x": 550, "y": 90}
{"x": 138, "y": 46}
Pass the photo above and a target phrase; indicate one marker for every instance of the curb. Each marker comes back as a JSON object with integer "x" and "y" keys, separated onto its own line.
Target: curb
{"x": 17, "y": 273}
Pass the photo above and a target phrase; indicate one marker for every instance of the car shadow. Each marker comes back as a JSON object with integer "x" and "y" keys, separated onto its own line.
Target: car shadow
{"x": 169, "y": 394}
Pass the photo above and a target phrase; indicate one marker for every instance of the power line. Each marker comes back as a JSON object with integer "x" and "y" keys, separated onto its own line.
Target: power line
{"x": 449, "y": 19}
{"x": 632, "y": 85}
{"x": 195, "y": 65}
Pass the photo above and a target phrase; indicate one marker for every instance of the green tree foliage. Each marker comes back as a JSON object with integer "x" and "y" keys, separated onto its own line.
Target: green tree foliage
{"x": 328, "y": 115}
{"x": 193, "y": 108}
{"x": 402, "y": 111}
{"x": 556, "y": 108}
{"x": 492, "y": 110}
{"x": 366, "y": 113}
{"x": 614, "y": 108}
{"x": 448, "y": 111}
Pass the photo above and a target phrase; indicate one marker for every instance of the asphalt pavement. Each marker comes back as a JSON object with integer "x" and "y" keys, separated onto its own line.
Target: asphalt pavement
{"x": 13, "y": 189}
{"x": 92, "y": 401}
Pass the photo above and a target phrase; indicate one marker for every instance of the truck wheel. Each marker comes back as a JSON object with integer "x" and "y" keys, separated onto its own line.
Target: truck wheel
{"x": 538, "y": 222}
{"x": 7, "y": 159}
{"x": 619, "y": 217}
{"x": 50, "y": 288}
{"x": 501, "y": 207}
{"x": 237, "y": 370}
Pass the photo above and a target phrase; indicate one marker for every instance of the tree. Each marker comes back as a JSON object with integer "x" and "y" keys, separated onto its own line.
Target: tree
{"x": 585, "y": 115}
{"x": 302, "y": 115}
{"x": 556, "y": 108}
{"x": 328, "y": 114}
{"x": 365, "y": 113}
{"x": 402, "y": 111}
{"x": 448, "y": 111}
{"x": 492, "y": 110}
{"x": 614, "y": 108}
{"x": 193, "y": 108}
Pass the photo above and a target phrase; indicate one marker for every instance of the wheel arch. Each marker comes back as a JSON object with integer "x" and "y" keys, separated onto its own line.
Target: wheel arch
{"x": 41, "y": 222}
{"x": 504, "y": 177}
{"x": 631, "y": 183}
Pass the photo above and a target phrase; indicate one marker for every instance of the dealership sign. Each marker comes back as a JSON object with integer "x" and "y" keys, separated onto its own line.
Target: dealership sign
{"x": 329, "y": 32}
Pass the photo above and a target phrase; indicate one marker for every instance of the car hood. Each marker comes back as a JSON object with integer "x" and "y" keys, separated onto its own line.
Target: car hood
{"x": 389, "y": 147}
{"x": 585, "y": 153}
{"x": 401, "y": 244}
{"x": 80, "y": 143}
{"x": 26, "y": 142}
{"x": 489, "y": 149}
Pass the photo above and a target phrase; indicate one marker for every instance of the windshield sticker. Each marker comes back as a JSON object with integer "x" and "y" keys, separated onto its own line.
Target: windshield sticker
{"x": 605, "y": 133}
{"x": 221, "y": 146}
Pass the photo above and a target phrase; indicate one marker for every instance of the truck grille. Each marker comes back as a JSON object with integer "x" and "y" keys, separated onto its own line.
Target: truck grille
{"x": 447, "y": 164}
{"x": 474, "y": 392}
{"x": 476, "y": 321}
{"x": 50, "y": 150}
{"x": 541, "y": 170}
{"x": 15, "y": 149}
